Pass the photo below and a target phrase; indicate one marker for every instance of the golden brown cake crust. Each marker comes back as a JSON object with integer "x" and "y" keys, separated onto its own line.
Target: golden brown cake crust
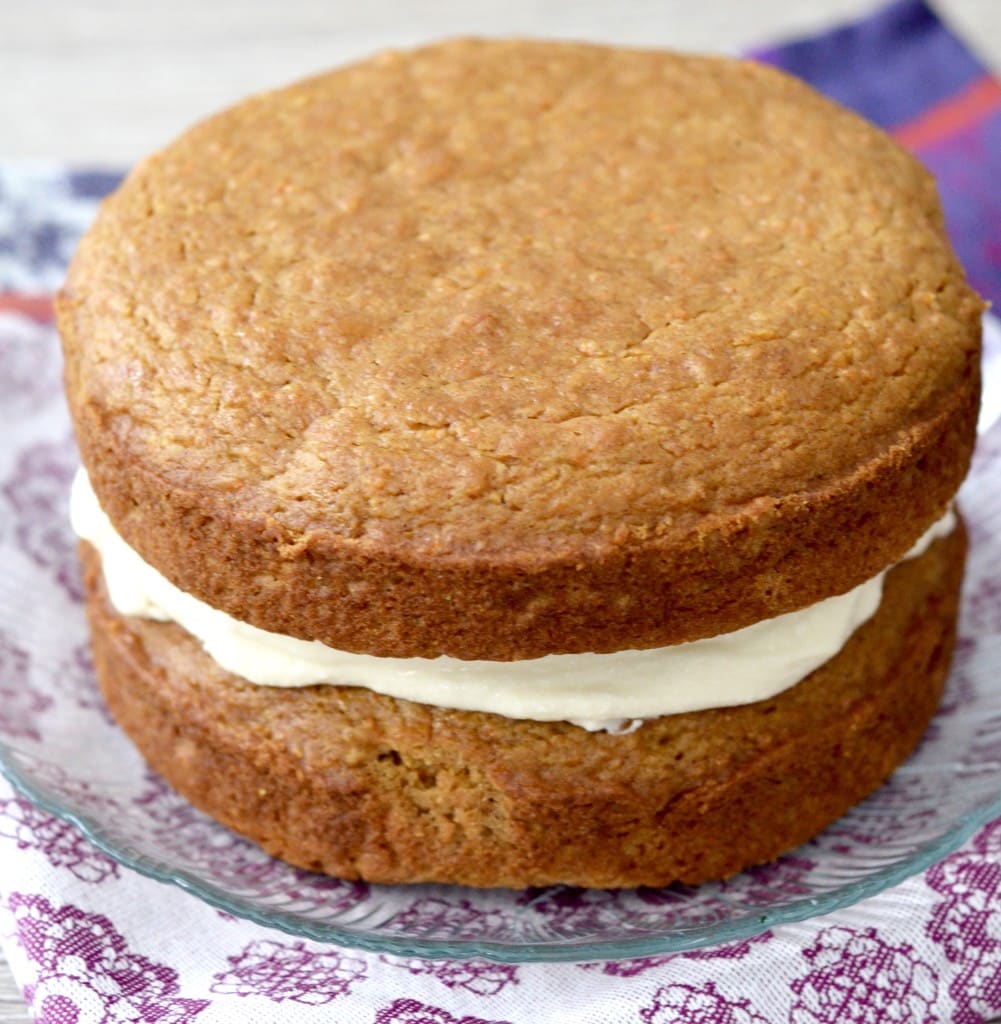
{"x": 364, "y": 786}
{"x": 497, "y": 349}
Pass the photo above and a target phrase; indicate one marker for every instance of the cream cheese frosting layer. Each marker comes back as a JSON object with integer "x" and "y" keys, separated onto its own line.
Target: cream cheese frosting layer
{"x": 595, "y": 691}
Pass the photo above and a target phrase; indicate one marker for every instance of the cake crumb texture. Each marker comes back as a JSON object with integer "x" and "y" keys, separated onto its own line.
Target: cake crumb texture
{"x": 503, "y": 348}
{"x": 359, "y": 785}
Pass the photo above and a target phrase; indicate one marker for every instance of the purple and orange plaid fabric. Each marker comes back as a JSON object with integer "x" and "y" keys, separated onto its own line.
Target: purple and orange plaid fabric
{"x": 905, "y": 71}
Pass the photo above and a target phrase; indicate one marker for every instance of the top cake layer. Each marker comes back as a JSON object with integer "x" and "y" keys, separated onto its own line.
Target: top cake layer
{"x": 503, "y": 348}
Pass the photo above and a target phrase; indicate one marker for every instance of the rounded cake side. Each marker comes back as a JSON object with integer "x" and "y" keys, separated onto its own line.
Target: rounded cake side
{"x": 348, "y": 782}
{"x": 499, "y": 349}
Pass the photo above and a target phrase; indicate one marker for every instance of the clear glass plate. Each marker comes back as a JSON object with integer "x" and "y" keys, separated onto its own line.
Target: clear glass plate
{"x": 59, "y": 747}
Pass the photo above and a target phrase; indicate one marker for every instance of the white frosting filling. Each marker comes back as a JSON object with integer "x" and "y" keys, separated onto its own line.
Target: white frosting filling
{"x": 611, "y": 692}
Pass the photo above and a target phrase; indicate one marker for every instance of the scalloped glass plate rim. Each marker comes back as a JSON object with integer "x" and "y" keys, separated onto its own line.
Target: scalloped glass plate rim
{"x": 712, "y": 933}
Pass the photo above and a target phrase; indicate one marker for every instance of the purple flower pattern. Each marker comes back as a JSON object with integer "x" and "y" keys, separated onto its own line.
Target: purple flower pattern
{"x": 290, "y": 972}
{"x": 966, "y": 923}
{"x": 432, "y": 915}
{"x": 907, "y": 807}
{"x": 209, "y": 847}
{"x": 983, "y": 608}
{"x": 476, "y": 976}
{"x": 766, "y": 884}
{"x": 80, "y": 791}
{"x": 20, "y": 702}
{"x": 856, "y": 977}
{"x": 87, "y": 972}
{"x": 38, "y": 492}
{"x": 62, "y": 843}
{"x": 568, "y": 908}
{"x": 410, "y": 1011}
{"x": 697, "y": 1005}
{"x": 75, "y": 678}
{"x": 29, "y": 369}
{"x": 638, "y": 965}
{"x": 961, "y": 689}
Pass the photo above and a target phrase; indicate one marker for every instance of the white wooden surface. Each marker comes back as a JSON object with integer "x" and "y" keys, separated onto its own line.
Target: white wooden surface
{"x": 12, "y": 1008}
{"x": 105, "y": 81}
{"x": 109, "y": 80}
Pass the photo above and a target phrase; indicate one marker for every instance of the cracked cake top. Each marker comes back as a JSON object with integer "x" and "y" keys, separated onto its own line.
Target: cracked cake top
{"x": 543, "y": 326}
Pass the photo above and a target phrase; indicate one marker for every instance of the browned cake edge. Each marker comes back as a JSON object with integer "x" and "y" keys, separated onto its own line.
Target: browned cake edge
{"x": 772, "y": 556}
{"x": 359, "y": 785}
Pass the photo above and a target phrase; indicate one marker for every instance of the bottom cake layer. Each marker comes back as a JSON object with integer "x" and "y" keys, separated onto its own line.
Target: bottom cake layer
{"x": 358, "y": 785}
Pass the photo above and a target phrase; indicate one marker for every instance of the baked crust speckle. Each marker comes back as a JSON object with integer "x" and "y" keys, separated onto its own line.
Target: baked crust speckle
{"x": 502, "y": 348}
{"x": 365, "y": 786}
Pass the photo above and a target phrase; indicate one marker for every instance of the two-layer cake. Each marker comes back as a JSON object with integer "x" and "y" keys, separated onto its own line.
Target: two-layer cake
{"x": 520, "y": 462}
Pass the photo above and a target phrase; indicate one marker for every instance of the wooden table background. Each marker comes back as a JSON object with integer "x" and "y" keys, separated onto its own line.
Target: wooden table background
{"x": 103, "y": 82}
